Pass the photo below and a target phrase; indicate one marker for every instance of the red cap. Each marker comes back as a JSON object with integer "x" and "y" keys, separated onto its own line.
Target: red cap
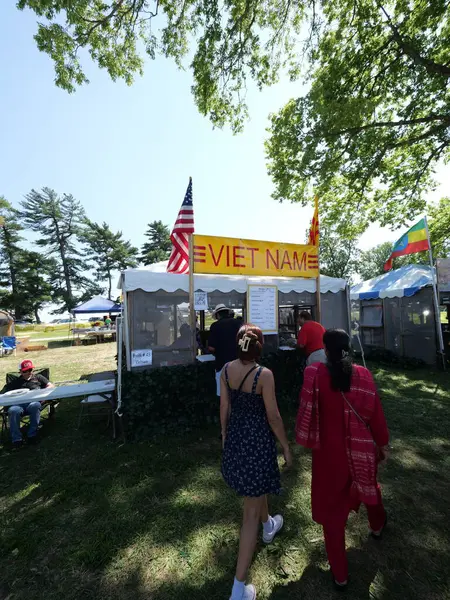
{"x": 26, "y": 365}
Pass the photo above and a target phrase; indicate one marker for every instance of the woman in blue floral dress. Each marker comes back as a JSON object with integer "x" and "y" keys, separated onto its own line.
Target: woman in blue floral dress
{"x": 251, "y": 423}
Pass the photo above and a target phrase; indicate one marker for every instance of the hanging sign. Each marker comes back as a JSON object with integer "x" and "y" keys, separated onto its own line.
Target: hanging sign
{"x": 141, "y": 358}
{"x": 200, "y": 301}
{"x": 262, "y": 307}
{"x": 230, "y": 256}
{"x": 443, "y": 270}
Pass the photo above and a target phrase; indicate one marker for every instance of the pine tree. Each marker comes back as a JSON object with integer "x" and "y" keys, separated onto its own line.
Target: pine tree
{"x": 159, "y": 246}
{"x": 10, "y": 237}
{"x": 57, "y": 219}
{"x": 107, "y": 252}
{"x": 34, "y": 287}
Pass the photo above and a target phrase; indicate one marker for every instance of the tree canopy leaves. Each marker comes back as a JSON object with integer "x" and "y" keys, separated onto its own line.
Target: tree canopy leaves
{"x": 159, "y": 246}
{"x": 377, "y": 117}
{"x": 366, "y": 136}
{"x": 107, "y": 252}
{"x": 58, "y": 221}
{"x": 371, "y": 262}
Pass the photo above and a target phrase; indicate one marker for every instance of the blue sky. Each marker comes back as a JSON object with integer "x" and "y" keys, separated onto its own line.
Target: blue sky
{"x": 127, "y": 152}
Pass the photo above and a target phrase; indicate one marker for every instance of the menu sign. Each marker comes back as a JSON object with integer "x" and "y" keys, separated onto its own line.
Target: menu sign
{"x": 262, "y": 307}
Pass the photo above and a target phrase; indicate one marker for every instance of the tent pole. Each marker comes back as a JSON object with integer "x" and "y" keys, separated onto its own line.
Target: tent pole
{"x": 125, "y": 323}
{"x": 437, "y": 312}
{"x": 192, "y": 315}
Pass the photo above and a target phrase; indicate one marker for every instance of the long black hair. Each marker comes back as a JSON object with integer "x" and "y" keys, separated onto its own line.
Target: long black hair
{"x": 339, "y": 362}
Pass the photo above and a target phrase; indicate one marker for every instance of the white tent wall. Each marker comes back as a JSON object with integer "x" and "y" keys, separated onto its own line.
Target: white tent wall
{"x": 155, "y": 303}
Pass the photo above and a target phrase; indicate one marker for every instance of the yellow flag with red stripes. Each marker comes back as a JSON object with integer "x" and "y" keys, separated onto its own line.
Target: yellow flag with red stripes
{"x": 314, "y": 234}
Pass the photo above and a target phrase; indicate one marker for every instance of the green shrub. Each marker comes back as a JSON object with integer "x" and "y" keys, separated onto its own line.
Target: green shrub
{"x": 182, "y": 398}
{"x": 386, "y": 358}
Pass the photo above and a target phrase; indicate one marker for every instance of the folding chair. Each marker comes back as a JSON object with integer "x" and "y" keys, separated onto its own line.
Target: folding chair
{"x": 101, "y": 405}
{"x": 51, "y": 405}
{"x": 8, "y": 345}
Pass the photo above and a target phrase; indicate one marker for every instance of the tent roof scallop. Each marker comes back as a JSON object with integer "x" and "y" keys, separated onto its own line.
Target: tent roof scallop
{"x": 97, "y": 304}
{"x": 155, "y": 277}
{"x": 405, "y": 281}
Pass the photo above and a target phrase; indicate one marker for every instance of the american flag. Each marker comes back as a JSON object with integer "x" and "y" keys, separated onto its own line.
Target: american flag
{"x": 183, "y": 228}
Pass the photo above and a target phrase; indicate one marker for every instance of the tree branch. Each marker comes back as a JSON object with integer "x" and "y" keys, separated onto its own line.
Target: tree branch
{"x": 379, "y": 124}
{"x": 409, "y": 50}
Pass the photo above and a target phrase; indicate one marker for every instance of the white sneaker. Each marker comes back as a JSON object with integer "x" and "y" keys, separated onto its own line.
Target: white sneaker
{"x": 278, "y": 523}
{"x": 249, "y": 593}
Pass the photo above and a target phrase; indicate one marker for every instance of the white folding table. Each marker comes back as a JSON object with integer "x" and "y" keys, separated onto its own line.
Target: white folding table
{"x": 106, "y": 389}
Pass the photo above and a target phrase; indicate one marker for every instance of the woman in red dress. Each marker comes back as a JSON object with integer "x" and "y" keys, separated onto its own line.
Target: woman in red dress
{"x": 341, "y": 419}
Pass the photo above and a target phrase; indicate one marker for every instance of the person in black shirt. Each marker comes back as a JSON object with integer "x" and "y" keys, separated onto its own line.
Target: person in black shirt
{"x": 222, "y": 339}
{"x": 30, "y": 381}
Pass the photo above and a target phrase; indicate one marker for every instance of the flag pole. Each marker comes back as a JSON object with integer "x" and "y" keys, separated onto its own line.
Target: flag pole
{"x": 437, "y": 311}
{"x": 318, "y": 300}
{"x": 192, "y": 315}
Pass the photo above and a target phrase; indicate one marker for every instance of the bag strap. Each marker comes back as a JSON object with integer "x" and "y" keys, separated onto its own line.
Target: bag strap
{"x": 355, "y": 412}
{"x": 245, "y": 378}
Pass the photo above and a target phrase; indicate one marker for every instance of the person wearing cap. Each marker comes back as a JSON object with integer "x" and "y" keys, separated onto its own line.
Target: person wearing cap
{"x": 222, "y": 339}
{"x": 30, "y": 381}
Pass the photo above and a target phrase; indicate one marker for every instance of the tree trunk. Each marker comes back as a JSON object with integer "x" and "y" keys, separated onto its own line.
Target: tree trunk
{"x": 36, "y": 315}
{"x": 109, "y": 280}
{"x": 12, "y": 273}
{"x": 62, "y": 253}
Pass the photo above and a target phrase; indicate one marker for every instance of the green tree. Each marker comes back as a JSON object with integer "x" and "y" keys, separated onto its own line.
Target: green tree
{"x": 159, "y": 246}
{"x": 34, "y": 286}
{"x": 377, "y": 109}
{"x": 57, "y": 219}
{"x": 371, "y": 263}
{"x": 10, "y": 237}
{"x": 339, "y": 257}
{"x": 107, "y": 252}
{"x": 439, "y": 224}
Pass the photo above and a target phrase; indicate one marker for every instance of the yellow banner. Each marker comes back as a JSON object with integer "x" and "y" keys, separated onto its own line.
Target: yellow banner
{"x": 230, "y": 256}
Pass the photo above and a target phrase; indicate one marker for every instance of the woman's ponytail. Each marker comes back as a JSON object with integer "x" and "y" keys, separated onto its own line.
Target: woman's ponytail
{"x": 339, "y": 362}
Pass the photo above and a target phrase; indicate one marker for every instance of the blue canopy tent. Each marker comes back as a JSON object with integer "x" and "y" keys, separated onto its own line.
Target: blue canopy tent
{"x": 99, "y": 305}
{"x": 395, "y": 311}
{"x": 405, "y": 281}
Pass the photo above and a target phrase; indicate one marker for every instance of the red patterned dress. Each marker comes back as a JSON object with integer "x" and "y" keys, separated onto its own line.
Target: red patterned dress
{"x": 344, "y": 458}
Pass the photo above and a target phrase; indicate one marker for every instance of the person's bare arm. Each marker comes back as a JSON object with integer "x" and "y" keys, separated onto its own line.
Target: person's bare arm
{"x": 273, "y": 414}
{"x": 49, "y": 385}
{"x": 224, "y": 406}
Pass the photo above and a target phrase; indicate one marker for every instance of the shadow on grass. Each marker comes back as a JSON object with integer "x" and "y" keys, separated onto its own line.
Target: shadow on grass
{"x": 89, "y": 518}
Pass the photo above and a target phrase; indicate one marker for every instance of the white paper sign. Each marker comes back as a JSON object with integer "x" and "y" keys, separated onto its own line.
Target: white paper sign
{"x": 200, "y": 301}
{"x": 262, "y": 307}
{"x": 443, "y": 269}
{"x": 141, "y": 358}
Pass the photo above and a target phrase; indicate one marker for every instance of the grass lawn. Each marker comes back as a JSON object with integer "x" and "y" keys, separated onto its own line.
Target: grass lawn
{"x": 83, "y": 517}
{"x": 70, "y": 363}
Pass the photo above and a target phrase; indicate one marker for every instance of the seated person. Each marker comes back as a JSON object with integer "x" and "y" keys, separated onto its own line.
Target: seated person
{"x": 27, "y": 380}
{"x": 184, "y": 341}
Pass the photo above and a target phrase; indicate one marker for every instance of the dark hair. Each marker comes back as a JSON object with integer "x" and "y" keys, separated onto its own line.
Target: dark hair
{"x": 339, "y": 363}
{"x": 252, "y": 342}
{"x": 223, "y": 314}
{"x": 305, "y": 315}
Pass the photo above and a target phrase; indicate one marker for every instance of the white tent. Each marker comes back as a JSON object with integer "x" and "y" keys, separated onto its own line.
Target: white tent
{"x": 151, "y": 298}
{"x": 155, "y": 277}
